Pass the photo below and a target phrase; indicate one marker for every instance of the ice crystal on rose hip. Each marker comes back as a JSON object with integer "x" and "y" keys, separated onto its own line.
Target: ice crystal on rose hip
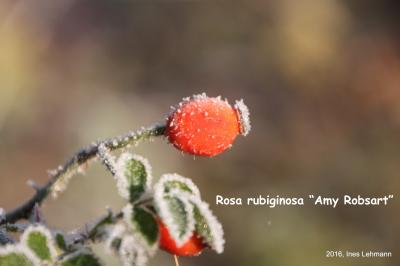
{"x": 206, "y": 126}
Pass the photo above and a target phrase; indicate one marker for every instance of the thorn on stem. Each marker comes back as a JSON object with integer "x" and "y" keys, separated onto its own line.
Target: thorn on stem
{"x": 36, "y": 215}
{"x": 33, "y": 184}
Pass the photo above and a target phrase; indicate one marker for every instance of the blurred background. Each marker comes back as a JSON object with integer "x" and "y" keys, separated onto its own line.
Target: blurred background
{"x": 321, "y": 78}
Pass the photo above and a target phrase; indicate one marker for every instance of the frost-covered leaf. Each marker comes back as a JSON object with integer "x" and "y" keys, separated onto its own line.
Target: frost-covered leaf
{"x": 115, "y": 235}
{"x": 17, "y": 255}
{"x": 39, "y": 240}
{"x": 207, "y": 225}
{"x": 176, "y": 213}
{"x": 133, "y": 174}
{"x": 143, "y": 223}
{"x": 132, "y": 253}
{"x": 83, "y": 257}
{"x": 177, "y": 182}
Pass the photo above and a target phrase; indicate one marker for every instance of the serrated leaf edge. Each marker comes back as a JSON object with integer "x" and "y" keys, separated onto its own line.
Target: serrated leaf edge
{"x": 176, "y": 177}
{"x": 215, "y": 226}
{"x": 166, "y": 216}
{"x": 43, "y": 230}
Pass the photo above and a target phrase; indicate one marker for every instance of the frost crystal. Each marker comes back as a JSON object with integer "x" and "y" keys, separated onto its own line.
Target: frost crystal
{"x": 61, "y": 184}
{"x": 115, "y": 233}
{"x": 244, "y": 117}
{"x": 171, "y": 181}
{"x": 106, "y": 158}
{"x": 131, "y": 253}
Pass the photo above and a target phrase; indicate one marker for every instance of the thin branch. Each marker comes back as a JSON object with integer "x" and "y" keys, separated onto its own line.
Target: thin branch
{"x": 92, "y": 231}
{"x": 81, "y": 158}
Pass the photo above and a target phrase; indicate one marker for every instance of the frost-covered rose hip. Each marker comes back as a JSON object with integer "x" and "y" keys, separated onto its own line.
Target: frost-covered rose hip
{"x": 206, "y": 126}
{"x": 193, "y": 247}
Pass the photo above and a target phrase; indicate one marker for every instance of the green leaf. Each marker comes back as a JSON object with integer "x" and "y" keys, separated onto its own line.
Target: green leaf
{"x": 133, "y": 176}
{"x": 60, "y": 241}
{"x": 38, "y": 239}
{"x": 177, "y": 215}
{"x": 81, "y": 258}
{"x": 136, "y": 174}
{"x": 173, "y": 182}
{"x": 202, "y": 228}
{"x": 15, "y": 259}
{"x": 144, "y": 223}
{"x": 207, "y": 225}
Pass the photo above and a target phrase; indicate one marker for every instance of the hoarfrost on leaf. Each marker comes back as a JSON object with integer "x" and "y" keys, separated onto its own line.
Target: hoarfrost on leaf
{"x": 133, "y": 176}
{"x": 115, "y": 235}
{"x": 12, "y": 255}
{"x": 169, "y": 182}
{"x": 176, "y": 213}
{"x": 207, "y": 225}
{"x": 131, "y": 253}
{"x": 144, "y": 226}
{"x": 39, "y": 240}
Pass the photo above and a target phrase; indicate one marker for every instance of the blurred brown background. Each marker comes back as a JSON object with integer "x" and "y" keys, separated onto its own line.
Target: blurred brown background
{"x": 321, "y": 78}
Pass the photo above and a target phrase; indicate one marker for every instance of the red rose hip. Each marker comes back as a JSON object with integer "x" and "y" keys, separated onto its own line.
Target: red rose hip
{"x": 193, "y": 247}
{"x": 206, "y": 126}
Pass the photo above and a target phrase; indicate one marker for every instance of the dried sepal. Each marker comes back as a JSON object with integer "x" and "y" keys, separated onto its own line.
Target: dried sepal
{"x": 39, "y": 240}
{"x": 133, "y": 175}
{"x": 244, "y": 117}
